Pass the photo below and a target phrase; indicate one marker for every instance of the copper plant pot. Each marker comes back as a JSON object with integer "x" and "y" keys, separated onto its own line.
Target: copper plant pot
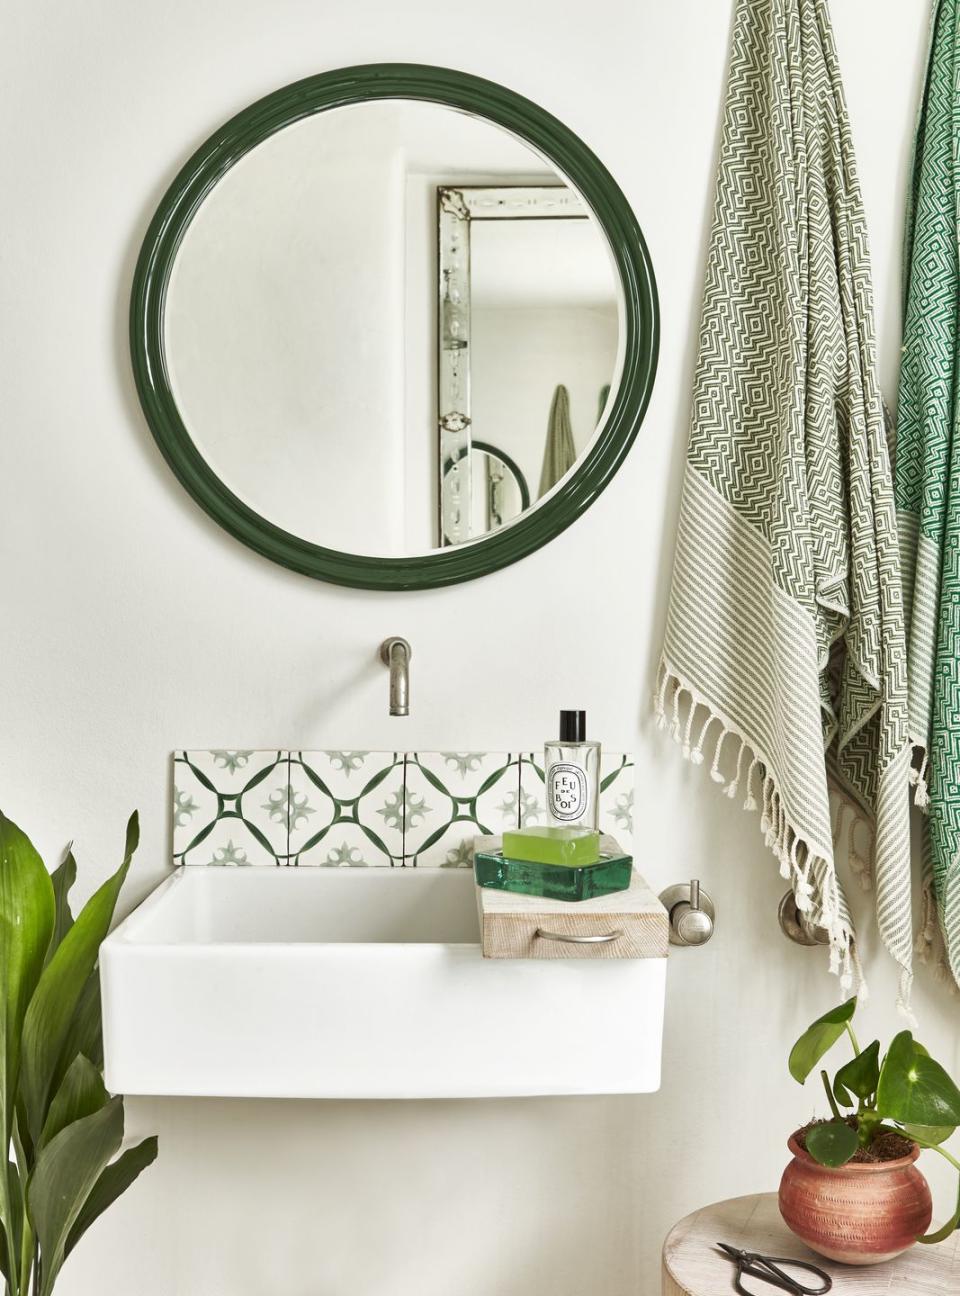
{"x": 859, "y": 1214}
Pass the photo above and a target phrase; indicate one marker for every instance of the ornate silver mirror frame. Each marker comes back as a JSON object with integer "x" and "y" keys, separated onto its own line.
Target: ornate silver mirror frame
{"x": 457, "y": 210}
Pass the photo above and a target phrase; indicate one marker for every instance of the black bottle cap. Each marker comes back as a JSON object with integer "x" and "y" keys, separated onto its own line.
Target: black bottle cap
{"x": 573, "y": 726}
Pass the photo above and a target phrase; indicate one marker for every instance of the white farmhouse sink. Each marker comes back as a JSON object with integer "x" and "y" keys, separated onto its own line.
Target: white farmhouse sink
{"x": 356, "y": 983}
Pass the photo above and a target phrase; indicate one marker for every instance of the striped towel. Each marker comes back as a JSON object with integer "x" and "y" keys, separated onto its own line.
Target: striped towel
{"x": 785, "y": 649}
{"x": 928, "y": 477}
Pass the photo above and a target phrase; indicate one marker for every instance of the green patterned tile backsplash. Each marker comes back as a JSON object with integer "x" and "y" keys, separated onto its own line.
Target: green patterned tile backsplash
{"x": 358, "y": 808}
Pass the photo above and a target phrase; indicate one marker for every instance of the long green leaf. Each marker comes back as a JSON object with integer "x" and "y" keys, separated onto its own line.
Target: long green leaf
{"x": 48, "y": 1019}
{"x": 818, "y": 1038}
{"x": 81, "y": 1094}
{"x": 64, "y": 1176}
{"x": 85, "y": 1036}
{"x": 22, "y": 1168}
{"x": 16, "y": 1228}
{"x": 915, "y": 1090}
{"x": 26, "y": 923}
{"x": 85, "y": 1032}
{"x": 114, "y": 1180}
{"x": 63, "y": 879}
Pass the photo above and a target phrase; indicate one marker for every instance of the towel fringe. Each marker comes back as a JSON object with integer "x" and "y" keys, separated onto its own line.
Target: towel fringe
{"x": 794, "y": 854}
{"x": 733, "y": 787}
{"x": 697, "y": 754}
{"x": 751, "y": 802}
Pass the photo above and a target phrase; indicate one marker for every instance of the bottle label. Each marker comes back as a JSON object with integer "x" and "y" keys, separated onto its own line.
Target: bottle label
{"x": 567, "y": 791}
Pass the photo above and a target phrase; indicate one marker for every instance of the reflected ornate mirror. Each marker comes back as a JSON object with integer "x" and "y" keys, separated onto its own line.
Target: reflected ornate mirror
{"x": 394, "y": 326}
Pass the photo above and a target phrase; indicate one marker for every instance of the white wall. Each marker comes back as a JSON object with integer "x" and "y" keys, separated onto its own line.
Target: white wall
{"x": 131, "y": 625}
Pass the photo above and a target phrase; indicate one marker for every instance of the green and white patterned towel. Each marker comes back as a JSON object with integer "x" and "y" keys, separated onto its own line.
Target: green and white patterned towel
{"x": 928, "y": 471}
{"x": 785, "y": 647}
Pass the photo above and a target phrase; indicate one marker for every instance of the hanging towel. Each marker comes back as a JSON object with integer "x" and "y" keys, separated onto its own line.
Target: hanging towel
{"x": 602, "y": 400}
{"x": 559, "y": 453}
{"x": 785, "y": 648}
{"x": 928, "y": 475}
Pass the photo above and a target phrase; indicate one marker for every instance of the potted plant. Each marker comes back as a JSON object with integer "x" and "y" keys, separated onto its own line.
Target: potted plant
{"x": 61, "y": 1129}
{"x": 852, "y": 1191}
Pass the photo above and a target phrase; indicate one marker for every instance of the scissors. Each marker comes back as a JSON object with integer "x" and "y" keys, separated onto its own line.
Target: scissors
{"x": 767, "y": 1269}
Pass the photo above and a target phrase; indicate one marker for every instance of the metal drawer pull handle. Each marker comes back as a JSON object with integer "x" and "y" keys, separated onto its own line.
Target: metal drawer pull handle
{"x": 603, "y": 939}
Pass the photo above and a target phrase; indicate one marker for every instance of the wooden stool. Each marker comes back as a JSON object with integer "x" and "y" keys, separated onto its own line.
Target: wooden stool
{"x": 692, "y": 1265}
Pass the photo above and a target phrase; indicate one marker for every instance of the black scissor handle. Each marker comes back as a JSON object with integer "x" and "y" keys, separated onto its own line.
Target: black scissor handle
{"x": 768, "y": 1269}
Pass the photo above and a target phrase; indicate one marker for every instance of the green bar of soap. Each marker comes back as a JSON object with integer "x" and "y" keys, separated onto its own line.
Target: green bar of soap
{"x": 571, "y": 847}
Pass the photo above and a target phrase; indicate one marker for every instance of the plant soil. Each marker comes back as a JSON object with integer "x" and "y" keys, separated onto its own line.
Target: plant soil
{"x": 886, "y": 1146}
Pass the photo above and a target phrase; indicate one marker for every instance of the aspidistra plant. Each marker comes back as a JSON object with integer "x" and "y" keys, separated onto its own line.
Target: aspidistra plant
{"x": 905, "y": 1091}
{"x": 60, "y": 1128}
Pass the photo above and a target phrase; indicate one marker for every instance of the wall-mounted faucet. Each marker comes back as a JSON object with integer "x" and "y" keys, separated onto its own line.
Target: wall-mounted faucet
{"x": 395, "y": 653}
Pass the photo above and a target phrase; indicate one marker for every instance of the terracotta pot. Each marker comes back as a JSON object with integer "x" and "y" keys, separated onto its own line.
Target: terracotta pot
{"x": 859, "y": 1214}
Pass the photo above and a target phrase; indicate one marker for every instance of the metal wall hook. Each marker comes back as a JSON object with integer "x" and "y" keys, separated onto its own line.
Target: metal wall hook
{"x": 692, "y": 913}
{"x": 795, "y": 925}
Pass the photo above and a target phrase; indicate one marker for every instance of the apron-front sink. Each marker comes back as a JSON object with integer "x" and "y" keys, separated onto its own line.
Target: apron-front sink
{"x": 359, "y": 983}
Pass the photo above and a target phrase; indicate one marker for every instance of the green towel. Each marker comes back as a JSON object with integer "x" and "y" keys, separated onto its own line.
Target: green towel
{"x": 928, "y": 472}
{"x": 559, "y": 452}
{"x": 785, "y": 649}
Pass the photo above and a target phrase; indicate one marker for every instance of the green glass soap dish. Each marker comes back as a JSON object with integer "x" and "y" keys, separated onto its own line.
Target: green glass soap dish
{"x": 609, "y": 874}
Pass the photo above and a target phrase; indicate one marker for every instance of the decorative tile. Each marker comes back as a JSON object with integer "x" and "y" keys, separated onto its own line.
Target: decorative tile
{"x": 533, "y": 801}
{"x": 616, "y": 794}
{"x": 227, "y": 807}
{"x": 453, "y": 796}
{"x": 356, "y": 808}
{"x": 346, "y": 808}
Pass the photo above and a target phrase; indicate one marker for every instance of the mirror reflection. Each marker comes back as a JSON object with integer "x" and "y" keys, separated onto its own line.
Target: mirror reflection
{"x": 391, "y": 328}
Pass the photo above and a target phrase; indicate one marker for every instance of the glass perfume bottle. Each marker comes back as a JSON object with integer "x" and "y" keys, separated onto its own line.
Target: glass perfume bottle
{"x": 571, "y": 767}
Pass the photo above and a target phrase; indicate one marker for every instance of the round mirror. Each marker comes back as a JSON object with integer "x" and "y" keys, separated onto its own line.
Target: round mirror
{"x": 394, "y": 326}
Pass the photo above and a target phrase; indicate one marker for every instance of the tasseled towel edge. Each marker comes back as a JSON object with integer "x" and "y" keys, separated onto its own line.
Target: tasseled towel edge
{"x": 795, "y": 856}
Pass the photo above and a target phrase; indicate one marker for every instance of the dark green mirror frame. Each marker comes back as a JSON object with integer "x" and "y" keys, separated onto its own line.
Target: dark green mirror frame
{"x": 529, "y": 123}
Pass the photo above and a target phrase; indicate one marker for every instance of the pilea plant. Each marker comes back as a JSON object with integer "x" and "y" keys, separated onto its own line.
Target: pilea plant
{"x": 61, "y": 1130}
{"x": 904, "y": 1092}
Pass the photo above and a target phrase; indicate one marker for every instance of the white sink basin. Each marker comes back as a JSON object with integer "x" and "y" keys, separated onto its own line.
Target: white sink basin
{"x": 356, "y": 983}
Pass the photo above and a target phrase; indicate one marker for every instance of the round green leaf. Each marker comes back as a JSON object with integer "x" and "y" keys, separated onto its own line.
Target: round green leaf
{"x": 832, "y": 1144}
{"x": 915, "y": 1090}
